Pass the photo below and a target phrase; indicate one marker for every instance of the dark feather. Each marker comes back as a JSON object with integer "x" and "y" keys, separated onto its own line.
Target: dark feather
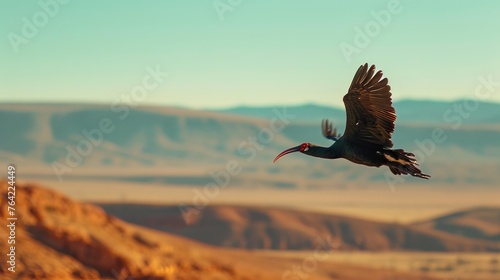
{"x": 370, "y": 115}
{"x": 328, "y": 131}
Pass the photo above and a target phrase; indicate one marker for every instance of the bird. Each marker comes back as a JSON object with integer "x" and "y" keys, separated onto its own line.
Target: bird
{"x": 369, "y": 127}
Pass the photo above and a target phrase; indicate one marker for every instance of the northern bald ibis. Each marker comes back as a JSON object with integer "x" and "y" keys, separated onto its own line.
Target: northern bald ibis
{"x": 369, "y": 126}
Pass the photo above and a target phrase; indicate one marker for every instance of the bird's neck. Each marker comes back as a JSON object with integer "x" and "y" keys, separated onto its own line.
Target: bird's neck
{"x": 323, "y": 152}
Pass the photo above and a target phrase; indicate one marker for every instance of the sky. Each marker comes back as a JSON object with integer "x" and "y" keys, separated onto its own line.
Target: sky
{"x": 227, "y": 53}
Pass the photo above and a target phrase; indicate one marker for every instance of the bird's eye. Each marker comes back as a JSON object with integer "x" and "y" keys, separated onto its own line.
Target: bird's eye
{"x": 303, "y": 147}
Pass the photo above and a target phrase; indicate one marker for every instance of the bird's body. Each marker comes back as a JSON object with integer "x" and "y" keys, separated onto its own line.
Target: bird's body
{"x": 369, "y": 126}
{"x": 366, "y": 155}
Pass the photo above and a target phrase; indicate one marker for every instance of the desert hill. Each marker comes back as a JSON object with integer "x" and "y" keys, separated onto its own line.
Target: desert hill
{"x": 479, "y": 223}
{"x": 285, "y": 229}
{"x": 59, "y": 238}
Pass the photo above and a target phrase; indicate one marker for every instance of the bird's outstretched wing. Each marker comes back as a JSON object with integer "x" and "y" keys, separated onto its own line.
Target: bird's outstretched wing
{"x": 328, "y": 131}
{"x": 368, "y": 104}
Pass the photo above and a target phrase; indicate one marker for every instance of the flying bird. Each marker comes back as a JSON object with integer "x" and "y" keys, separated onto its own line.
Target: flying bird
{"x": 369, "y": 126}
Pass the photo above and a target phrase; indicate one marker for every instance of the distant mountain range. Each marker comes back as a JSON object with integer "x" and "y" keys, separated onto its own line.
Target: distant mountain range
{"x": 408, "y": 111}
{"x": 73, "y": 138}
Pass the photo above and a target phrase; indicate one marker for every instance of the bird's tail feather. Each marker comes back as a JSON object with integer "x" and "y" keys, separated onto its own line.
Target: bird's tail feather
{"x": 401, "y": 162}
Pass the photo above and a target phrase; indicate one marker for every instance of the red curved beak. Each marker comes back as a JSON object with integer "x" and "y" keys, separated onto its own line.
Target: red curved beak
{"x": 286, "y": 152}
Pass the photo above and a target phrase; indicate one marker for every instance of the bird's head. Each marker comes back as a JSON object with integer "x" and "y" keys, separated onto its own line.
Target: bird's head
{"x": 303, "y": 148}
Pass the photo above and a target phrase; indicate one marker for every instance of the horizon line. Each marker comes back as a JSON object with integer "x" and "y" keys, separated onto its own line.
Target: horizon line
{"x": 151, "y": 104}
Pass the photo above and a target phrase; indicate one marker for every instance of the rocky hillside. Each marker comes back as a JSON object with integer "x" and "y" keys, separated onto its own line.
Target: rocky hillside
{"x": 58, "y": 238}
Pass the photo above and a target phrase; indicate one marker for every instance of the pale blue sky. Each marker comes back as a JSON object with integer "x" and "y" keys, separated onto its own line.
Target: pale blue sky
{"x": 263, "y": 52}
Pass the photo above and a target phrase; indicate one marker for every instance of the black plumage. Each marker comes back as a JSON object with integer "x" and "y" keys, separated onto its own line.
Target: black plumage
{"x": 369, "y": 127}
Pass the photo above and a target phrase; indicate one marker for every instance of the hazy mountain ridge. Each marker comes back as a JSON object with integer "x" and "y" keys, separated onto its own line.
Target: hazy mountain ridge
{"x": 149, "y": 133}
{"x": 470, "y": 111}
{"x": 173, "y": 137}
